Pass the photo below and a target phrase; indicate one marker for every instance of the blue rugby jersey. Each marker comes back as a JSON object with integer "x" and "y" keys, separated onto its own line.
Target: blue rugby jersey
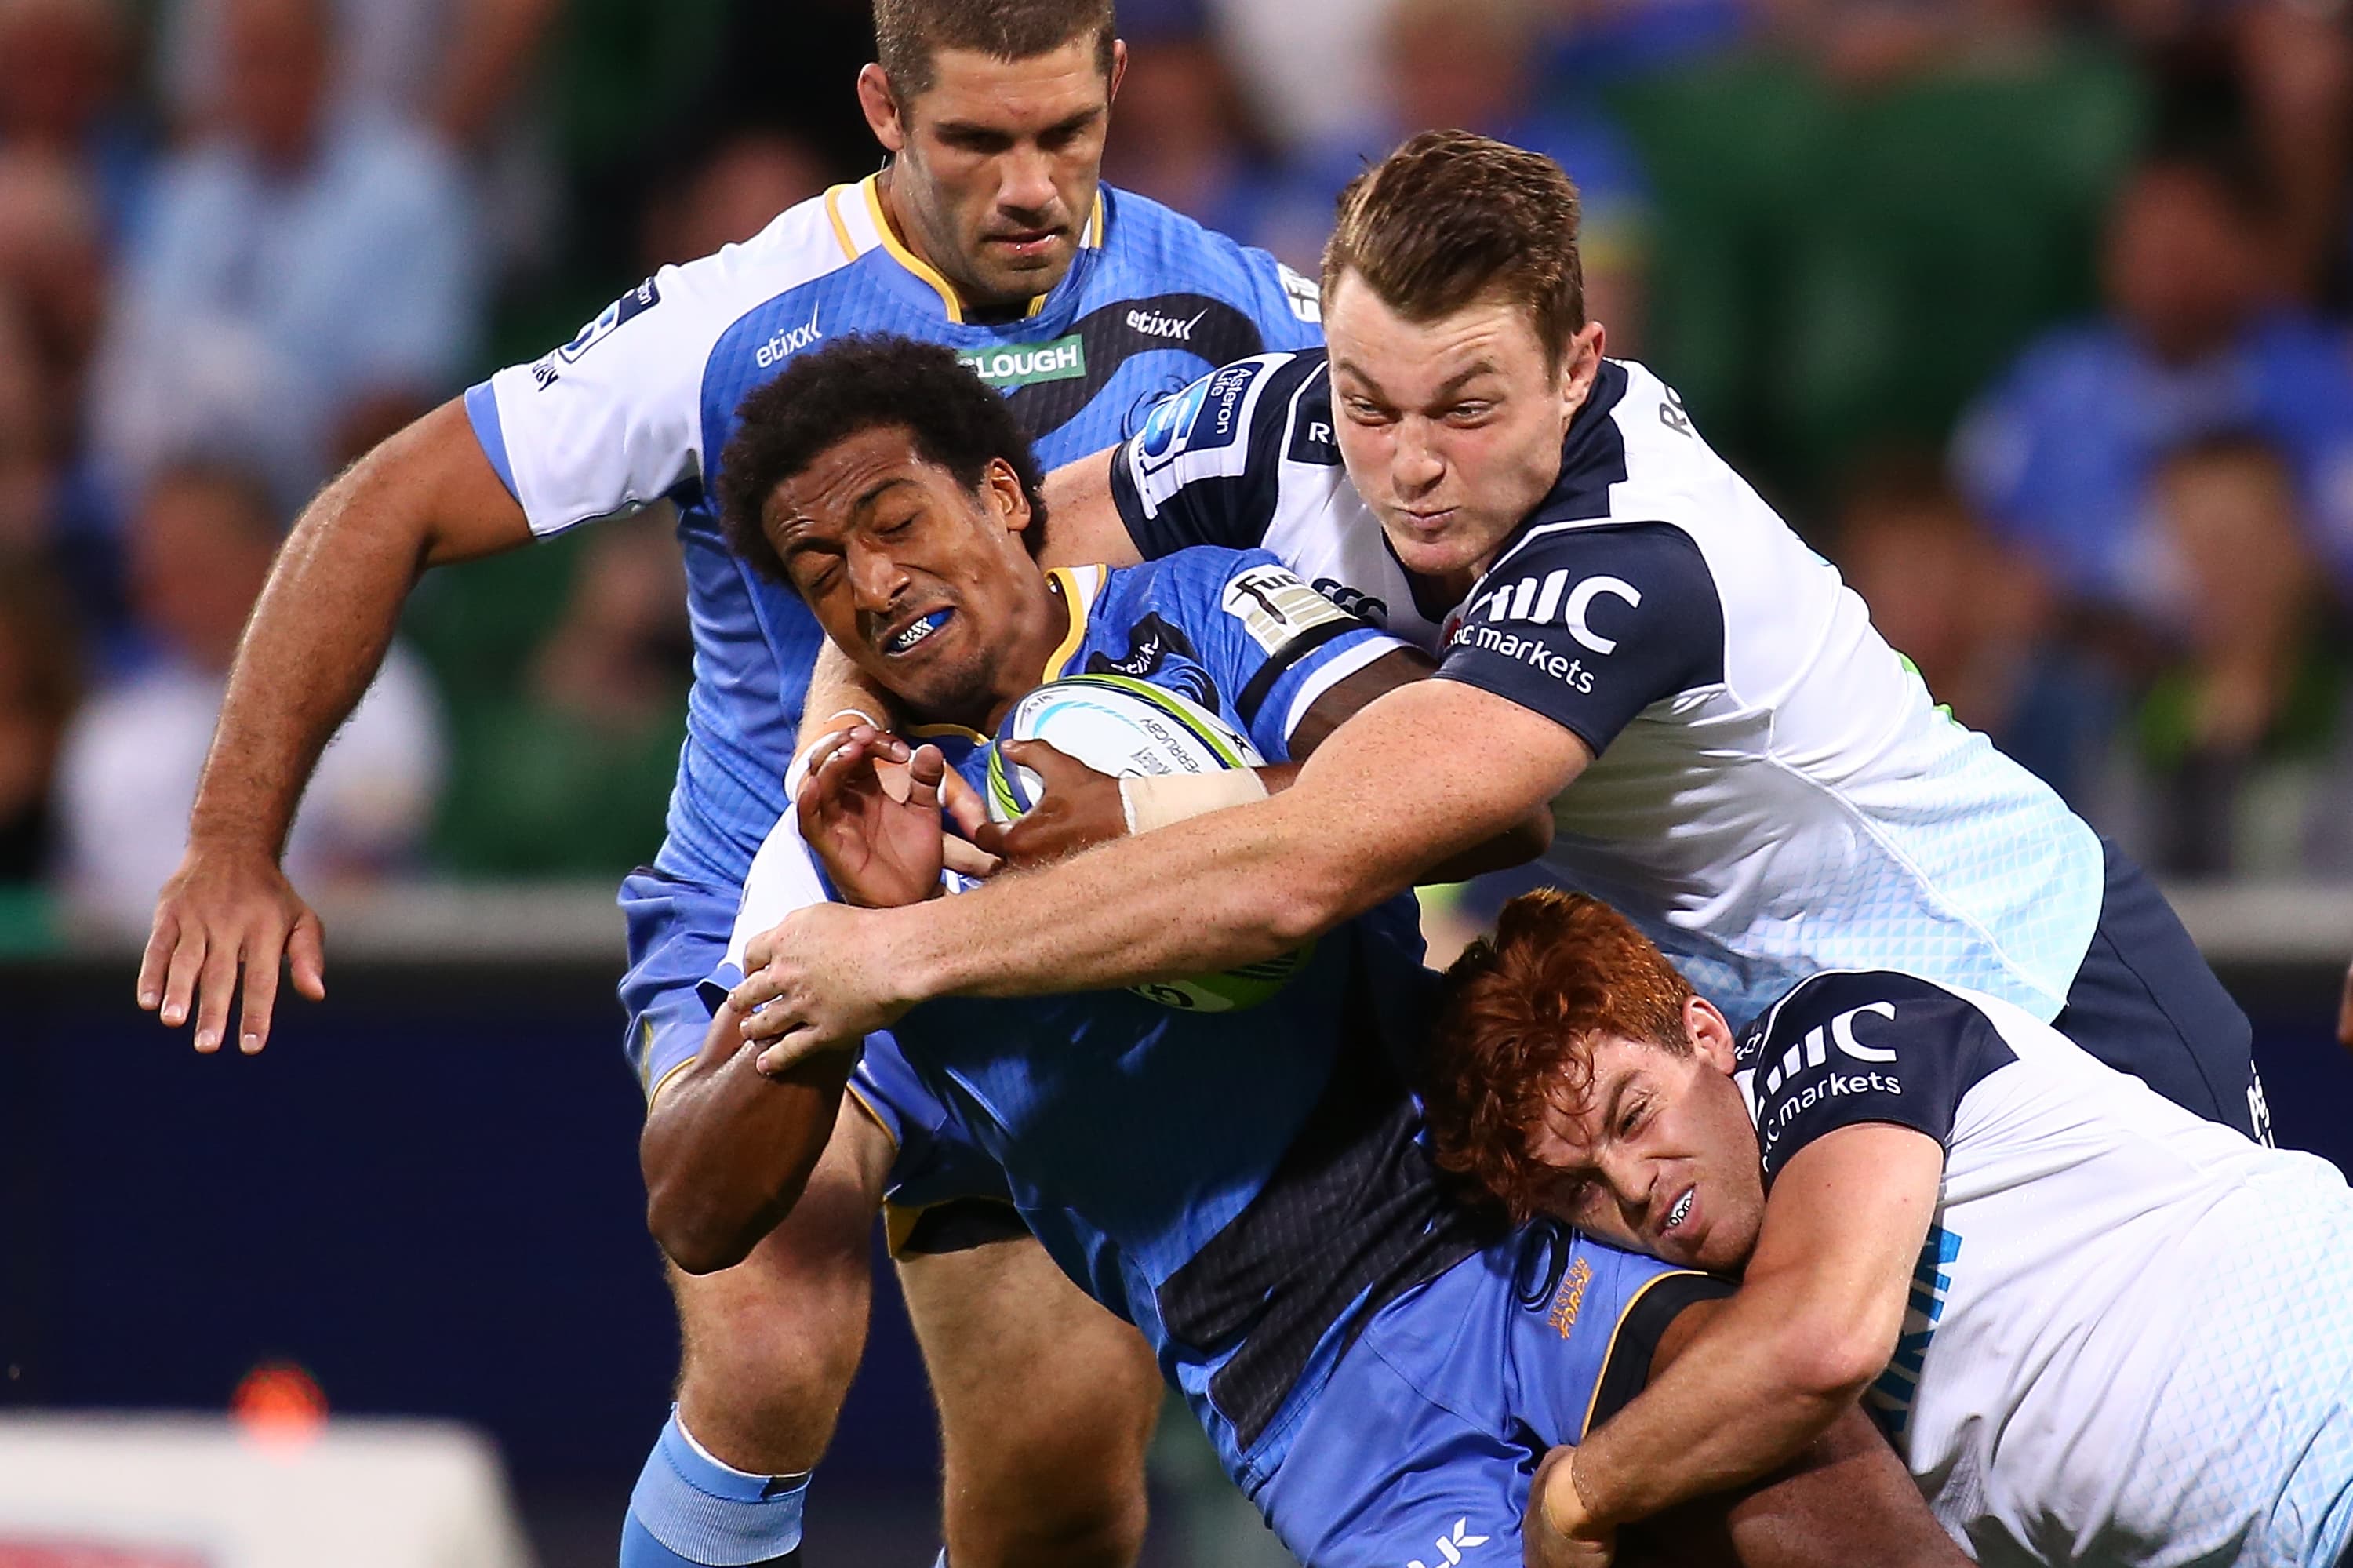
{"x": 641, "y": 404}
{"x": 1244, "y": 1186}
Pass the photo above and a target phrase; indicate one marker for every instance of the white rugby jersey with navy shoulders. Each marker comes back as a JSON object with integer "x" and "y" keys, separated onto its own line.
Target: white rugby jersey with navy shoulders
{"x": 2129, "y": 1340}
{"x": 639, "y": 405}
{"x": 1773, "y": 790}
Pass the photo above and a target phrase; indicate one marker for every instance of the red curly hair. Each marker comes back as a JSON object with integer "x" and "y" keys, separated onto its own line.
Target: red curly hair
{"x": 1515, "y": 1032}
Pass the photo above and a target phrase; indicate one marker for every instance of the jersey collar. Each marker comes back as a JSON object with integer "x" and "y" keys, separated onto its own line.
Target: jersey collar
{"x": 859, "y": 225}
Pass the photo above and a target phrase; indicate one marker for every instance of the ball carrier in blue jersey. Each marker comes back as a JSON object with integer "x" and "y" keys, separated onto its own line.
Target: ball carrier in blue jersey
{"x": 1734, "y": 755}
{"x": 1376, "y": 1366}
{"x": 988, "y": 232}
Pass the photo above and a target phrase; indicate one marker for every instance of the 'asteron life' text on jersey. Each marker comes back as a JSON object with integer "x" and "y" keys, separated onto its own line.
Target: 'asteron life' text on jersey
{"x": 2130, "y": 1336}
{"x": 1773, "y": 790}
{"x": 641, "y": 404}
{"x": 1243, "y": 1186}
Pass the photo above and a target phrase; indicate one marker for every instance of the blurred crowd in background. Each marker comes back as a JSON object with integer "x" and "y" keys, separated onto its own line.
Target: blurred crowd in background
{"x": 2031, "y": 315}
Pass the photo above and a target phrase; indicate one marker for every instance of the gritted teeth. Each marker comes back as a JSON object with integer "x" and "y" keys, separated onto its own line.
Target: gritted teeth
{"x": 914, "y": 632}
{"x": 1682, "y": 1211}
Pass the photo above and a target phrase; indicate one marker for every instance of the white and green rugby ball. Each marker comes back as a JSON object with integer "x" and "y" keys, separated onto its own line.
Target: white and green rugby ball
{"x": 1133, "y": 729}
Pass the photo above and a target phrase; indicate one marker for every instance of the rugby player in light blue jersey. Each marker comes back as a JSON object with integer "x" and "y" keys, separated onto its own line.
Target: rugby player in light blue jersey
{"x": 989, "y": 233}
{"x": 1378, "y": 1367}
{"x": 1735, "y": 758}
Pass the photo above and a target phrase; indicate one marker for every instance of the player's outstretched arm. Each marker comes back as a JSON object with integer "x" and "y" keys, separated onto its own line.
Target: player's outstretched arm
{"x": 1787, "y": 1355}
{"x": 1427, "y": 771}
{"x": 727, "y": 1150}
{"x": 427, "y": 496}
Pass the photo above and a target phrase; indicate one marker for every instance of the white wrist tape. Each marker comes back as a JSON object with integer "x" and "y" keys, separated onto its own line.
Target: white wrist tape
{"x": 1155, "y": 802}
{"x": 797, "y": 774}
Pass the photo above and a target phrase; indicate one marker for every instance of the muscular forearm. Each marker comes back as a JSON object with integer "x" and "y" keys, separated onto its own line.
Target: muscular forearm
{"x": 1750, "y": 1395}
{"x": 1231, "y": 887}
{"x": 727, "y": 1151}
{"x": 325, "y": 617}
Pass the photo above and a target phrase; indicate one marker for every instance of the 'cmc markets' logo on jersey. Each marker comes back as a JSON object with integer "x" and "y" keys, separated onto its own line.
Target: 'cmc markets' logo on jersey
{"x": 790, "y": 341}
{"x": 1537, "y": 599}
{"x": 1152, "y": 323}
{"x": 1029, "y": 363}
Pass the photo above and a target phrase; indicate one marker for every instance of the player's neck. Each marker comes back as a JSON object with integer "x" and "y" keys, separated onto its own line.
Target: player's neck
{"x": 981, "y": 312}
{"x": 1023, "y": 669}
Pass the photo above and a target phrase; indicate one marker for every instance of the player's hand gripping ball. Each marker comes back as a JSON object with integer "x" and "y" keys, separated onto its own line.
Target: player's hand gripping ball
{"x": 1133, "y": 729}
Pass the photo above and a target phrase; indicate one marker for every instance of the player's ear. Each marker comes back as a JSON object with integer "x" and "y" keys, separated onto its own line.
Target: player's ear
{"x": 1007, "y": 493}
{"x": 881, "y": 106}
{"x": 1580, "y": 363}
{"x": 1711, "y": 1034}
{"x": 1118, "y": 69}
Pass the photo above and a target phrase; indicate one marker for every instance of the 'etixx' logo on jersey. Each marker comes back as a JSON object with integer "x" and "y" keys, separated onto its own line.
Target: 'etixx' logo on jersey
{"x": 1028, "y": 364}
{"x": 790, "y": 341}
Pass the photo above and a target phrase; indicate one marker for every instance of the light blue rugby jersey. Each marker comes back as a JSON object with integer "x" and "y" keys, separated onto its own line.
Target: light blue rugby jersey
{"x": 1134, "y": 1136}
{"x": 641, "y": 404}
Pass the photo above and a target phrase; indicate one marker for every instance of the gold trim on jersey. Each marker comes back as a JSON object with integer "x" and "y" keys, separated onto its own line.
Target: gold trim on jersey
{"x": 1601, "y": 1373}
{"x": 840, "y": 228}
{"x": 858, "y": 1095}
{"x": 1090, "y": 238}
{"x": 1079, "y": 585}
{"x": 871, "y": 185}
{"x": 935, "y": 731}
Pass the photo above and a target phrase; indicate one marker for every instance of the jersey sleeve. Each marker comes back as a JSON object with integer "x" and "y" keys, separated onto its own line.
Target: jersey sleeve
{"x": 611, "y": 420}
{"x": 1288, "y": 307}
{"x": 1643, "y": 1323}
{"x": 1272, "y": 643}
{"x": 1590, "y": 625}
{"x": 784, "y": 878}
{"x": 1864, "y": 1046}
{"x": 1205, "y": 468}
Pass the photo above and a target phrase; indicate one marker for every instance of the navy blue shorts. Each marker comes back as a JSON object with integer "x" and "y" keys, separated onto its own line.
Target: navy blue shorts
{"x": 678, "y": 933}
{"x": 2145, "y": 1002}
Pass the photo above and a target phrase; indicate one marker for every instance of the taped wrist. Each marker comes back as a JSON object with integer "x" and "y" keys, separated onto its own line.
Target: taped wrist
{"x": 1155, "y": 802}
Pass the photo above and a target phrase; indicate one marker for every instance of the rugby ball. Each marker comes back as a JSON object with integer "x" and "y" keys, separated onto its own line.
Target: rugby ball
{"x": 1133, "y": 729}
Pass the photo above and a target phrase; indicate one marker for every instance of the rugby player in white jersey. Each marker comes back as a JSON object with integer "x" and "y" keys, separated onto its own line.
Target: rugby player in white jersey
{"x": 1740, "y": 762}
{"x": 989, "y": 231}
{"x": 2099, "y": 1329}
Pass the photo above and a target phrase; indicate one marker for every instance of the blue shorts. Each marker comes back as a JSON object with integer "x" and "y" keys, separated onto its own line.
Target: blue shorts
{"x": 678, "y": 933}
{"x": 1420, "y": 1446}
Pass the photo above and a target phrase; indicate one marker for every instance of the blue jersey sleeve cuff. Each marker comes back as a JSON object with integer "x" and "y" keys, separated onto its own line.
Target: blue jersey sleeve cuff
{"x": 482, "y": 413}
{"x": 713, "y": 988}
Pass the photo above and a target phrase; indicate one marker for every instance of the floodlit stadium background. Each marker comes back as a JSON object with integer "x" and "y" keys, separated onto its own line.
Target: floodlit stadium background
{"x": 2031, "y": 315}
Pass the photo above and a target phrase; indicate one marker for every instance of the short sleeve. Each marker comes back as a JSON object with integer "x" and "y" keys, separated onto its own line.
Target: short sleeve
{"x": 1590, "y": 625}
{"x": 1864, "y": 1046}
{"x": 608, "y": 421}
{"x": 1272, "y": 643}
{"x": 1205, "y": 468}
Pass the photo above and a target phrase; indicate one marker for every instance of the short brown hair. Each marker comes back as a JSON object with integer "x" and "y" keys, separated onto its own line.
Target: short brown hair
{"x": 1517, "y": 1029}
{"x": 1449, "y": 216}
{"x": 907, "y": 33}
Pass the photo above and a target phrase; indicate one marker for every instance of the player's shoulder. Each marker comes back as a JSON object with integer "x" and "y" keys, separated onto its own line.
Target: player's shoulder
{"x": 1139, "y": 231}
{"x": 687, "y": 307}
{"x": 1229, "y": 423}
{"x": 1612, "y": 1306}
{"x": 1842, "y": 996}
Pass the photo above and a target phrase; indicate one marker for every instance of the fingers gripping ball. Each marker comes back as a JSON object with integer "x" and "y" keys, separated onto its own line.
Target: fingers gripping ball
{"x": 1133, "y": 729}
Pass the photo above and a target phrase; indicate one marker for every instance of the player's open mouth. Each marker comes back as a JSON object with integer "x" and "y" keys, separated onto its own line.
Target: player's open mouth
{"x": 1026, "y": 242}
{"x": 909, "y": 636}
{"x": 1680, "y": 1212}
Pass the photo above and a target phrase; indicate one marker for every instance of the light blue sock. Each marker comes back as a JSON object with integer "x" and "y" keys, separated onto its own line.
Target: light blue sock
{"x": 689, "y": 1508}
